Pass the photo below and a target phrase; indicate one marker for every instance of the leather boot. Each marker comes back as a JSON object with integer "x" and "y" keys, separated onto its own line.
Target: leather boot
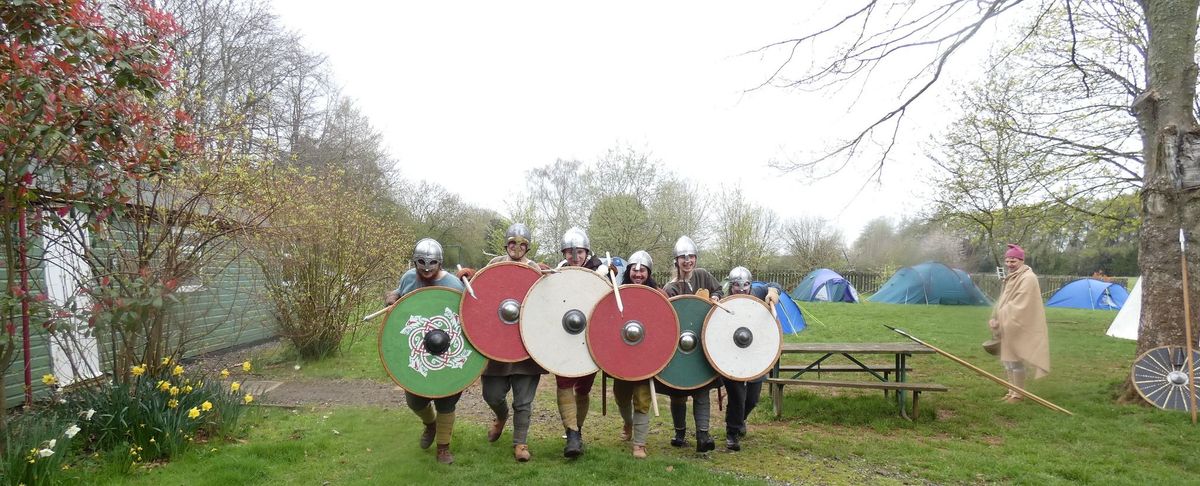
{"x": 679, "y": 440}
{"x": 574, "y": 446}
{"x": 427, "y": 435}
{"x": 496, "y": 429}
{"x": 521, "y": 452}
{"x": 731, "y": 442}
{"x": 704, "y": 442}
{"x": 443, "y": 454}
{"x": 639, "y": 451}
{"x": 627, "y": 432}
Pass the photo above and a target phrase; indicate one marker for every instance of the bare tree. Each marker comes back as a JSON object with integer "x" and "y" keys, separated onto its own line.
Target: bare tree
{"x": 1164, "y": 106}
{"x": 813, "y": 243}
{"x": 745, "y": 232}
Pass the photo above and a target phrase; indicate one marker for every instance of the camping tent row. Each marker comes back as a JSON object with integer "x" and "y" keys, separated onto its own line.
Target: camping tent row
{"x": 825, "y": 285}
{"x": 930, "y": 283}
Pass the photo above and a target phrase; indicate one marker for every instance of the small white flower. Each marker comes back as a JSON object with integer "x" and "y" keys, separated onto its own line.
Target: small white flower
{"x": 71, "y": 431}
{"x": 45, "y": 452}
{"x": 52, "y": 443}
{"x": 62, "y": 400}
{"x": 335, "y": 432}
{"x": 88, "y": 414}
{"x": 297, "y": 367}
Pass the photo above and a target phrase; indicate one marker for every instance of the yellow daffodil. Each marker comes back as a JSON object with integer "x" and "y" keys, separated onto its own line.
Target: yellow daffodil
{"x": 177, "y": 371}
{"x": 235, "y": 386}
{"x": 248, "y": 398}
{"x": 206, "y": 406}
{"x": 172, "y": 403}
{"x": 246, "y": 366}
{"x": 193, "y": 413}
{"x": 166, "y": 361}
{"x": 49, "y": 380}
{"x": 225, "y": 373}
{"x": 138, "y": 370}
{"x": 187, "y": 388}
{"x": 163, "y": 385}
{"x": 174, "y": 391}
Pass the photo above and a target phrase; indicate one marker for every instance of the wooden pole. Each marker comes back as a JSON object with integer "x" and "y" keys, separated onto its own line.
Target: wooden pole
{"x": 956, "y": 359}
{"x": 1187, "y": 324}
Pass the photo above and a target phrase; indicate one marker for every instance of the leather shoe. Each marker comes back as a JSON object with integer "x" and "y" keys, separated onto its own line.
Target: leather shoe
{"x": 428, "y": 434}
{"x": 574, "y": 446}
{"x": 495, "y": 430}
{"x": 639, "y": 451}
{"x": 627, "y": 432}
{"x": 731, "y": 443}
{"x": 521, "y": 452}
{"x": 704, "y": 442}
{"x": 443, "y": 454}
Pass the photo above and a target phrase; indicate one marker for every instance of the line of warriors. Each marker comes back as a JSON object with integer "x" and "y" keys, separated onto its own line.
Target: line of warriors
{"x": 574, "y": 394}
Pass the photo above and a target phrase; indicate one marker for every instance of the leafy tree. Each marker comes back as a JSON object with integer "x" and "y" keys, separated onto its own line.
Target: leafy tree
{"x": 745, "y": 232}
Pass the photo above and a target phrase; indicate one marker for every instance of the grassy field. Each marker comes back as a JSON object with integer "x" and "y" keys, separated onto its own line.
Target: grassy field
{"x": 826, "y": 436}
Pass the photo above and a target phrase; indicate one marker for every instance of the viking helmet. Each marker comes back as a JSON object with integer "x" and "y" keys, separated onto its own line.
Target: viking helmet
{"x": 575, "y": 238}
{"x": 517, "y": 232}
{"x": 684, "y": 246}
{"x": 427, "y": 254}
{"x": 739, "y": 275}
{"x": 642, "y": 258}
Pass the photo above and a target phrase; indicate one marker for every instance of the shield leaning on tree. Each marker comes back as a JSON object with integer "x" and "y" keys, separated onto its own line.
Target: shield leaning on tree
{"x": 745, "y": 344}
{"x": 554, "y": 316}
{"x": 423, "y": 347}
{"x": 1161, "y": 376}
{"x": 491, "y": 318}
{"x": 633, "y": 342}
{"x": 689, "y": 368}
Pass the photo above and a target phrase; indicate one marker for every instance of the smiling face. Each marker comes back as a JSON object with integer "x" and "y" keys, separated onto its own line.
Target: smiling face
{"x": 638, "y": 274}
{"x": 686, "y": 263}
{"x": 1012, "y": 264}
{"x": 428, "y": 271}
{"x": 739, "y": 287}
{"x": 516, "y": 250}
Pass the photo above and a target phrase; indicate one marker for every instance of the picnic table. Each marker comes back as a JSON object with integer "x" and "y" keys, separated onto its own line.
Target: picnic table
{"x": 855, "y": 353}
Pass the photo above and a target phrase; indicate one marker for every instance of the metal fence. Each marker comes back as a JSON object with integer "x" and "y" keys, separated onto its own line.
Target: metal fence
{"x": 870, "y": 282}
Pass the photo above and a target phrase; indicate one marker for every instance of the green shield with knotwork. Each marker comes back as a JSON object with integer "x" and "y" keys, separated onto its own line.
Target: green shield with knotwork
{"x": 423, "y": 347}
{"x": 688, "y": 368}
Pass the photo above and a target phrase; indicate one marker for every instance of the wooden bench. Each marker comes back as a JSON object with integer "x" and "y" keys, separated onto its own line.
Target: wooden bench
{"x": 777, "y": 384}
{"x": 887, "y": 370}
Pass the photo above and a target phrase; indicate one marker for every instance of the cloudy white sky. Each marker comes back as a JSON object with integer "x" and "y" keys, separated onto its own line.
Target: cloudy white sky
{"x": 472, "y": 94}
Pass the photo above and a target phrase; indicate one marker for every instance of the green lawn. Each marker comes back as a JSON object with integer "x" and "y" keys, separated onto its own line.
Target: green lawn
{"x": 825, "y": 436}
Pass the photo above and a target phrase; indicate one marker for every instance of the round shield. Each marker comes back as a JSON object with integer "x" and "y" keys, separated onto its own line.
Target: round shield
{"x": 422, "y": 345}
{"x": 689, "y": 368}
{"x": 491, "y": 317}
{"x": 743, "y": 344}
{"x": 1161, "y": 377}
{"x": 554, "y": 317}
{"x": 637, "y": 342}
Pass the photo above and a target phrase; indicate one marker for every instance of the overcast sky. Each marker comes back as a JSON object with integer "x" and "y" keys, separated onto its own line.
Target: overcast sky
{"x": 472, "y": 94}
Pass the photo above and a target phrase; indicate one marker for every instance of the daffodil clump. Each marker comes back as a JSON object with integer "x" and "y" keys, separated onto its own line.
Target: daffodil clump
{"x": 42, "y": 443}
{"x": 161, "y": 410}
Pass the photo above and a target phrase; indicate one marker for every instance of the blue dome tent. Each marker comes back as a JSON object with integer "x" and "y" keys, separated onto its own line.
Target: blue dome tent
{"x": 825, "y": 285}
{"x": 930, "y": 283}
{"x": 1089, "y": 293}
{"x": 791, "y": 320}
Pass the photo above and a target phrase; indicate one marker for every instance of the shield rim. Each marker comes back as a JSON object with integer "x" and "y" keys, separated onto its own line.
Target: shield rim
{"x": 778, "y": 329}
{"x": 1133, "y": 375}
{"x": 379, "y": 344}
{"x": 522, "y": 341}
{"x": 700, "y": 343}
{"x": 588, "y": 341}
{"x": 525, "y": 301}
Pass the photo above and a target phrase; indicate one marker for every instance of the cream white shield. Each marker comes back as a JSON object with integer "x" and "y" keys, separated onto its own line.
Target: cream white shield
{"x": 549, "y": 314}
{"x": 742, "y": 361}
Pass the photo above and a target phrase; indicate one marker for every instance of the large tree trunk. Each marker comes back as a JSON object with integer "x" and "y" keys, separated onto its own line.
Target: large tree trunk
{"x": 1170, "y": 195}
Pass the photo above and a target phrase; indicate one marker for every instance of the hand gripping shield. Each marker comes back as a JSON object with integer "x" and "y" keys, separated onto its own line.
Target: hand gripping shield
{"x": 636, "y": 343}
{"x": 554, "y": 318}
{"x": 491, "y": 318}
{"x": 745, "y": 344}
{"x": 689, "y": 368}
{"x": 423, "y": 347}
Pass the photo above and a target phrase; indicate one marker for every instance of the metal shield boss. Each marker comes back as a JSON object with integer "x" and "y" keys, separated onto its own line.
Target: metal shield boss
{"x": 637, "y": 342}
{"x": 1161, "y": 377}
{"x": 554, "y": 318}
{"x": 689, "y": 368}
{"x": 491, "y": 319}
{"x": 423, "y": 347}
{"x": 745, "y": 344}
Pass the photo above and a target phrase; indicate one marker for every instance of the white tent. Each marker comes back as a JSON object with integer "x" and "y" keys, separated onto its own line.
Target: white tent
{"x": 1125, "y": 325}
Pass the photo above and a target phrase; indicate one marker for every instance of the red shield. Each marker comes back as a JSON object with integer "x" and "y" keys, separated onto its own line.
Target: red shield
{"x": 490, "y": 318}
{"x": 637, "y": 343}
